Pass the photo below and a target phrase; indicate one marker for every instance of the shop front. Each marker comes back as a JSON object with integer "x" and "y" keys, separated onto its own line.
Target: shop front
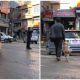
{"x": 46, "y": 22}
{"x": 67, "y": 18}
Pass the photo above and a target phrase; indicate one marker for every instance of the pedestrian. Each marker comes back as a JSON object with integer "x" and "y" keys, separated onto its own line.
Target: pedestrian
{"x": 57, "y": 35}
{"x": 24, "y": 35}
{"x": 15, "y": 36}
{"x": 29, "y": 35}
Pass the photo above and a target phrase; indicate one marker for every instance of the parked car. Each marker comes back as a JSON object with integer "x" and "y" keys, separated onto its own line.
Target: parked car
{"x": 34, "y": 37}
{"x": 73, "y": 39}
{"x": 6, "y": 38}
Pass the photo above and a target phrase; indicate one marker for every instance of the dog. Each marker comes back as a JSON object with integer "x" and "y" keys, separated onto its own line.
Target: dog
{"x": 66, "y": 50}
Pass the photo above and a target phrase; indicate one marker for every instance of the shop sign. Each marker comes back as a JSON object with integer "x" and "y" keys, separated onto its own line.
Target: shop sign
{"x": 64, "y": 13}
{"x": 47, "y": 16}
{"x": 78, "y": 11}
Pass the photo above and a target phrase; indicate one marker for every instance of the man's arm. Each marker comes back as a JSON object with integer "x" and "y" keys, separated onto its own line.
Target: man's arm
{"x": 63, "y": 32}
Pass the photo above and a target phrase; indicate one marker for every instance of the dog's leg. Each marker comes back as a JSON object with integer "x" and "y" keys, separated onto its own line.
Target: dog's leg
{"x": 66, "y": 58}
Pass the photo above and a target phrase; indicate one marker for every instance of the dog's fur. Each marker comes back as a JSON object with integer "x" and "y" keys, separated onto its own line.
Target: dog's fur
{"x": 66, "y": 50}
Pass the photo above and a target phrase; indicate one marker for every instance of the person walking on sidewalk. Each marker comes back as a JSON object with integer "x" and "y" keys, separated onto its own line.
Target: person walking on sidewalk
{"x": 29, "y": 35}
{"x": 57, "y": 35}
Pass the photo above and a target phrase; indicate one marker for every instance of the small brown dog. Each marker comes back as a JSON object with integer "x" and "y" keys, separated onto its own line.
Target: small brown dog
{"x": 66, "y": 50}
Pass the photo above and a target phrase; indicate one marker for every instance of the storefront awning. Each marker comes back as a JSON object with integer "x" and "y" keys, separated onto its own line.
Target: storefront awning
{"x": 64, "y": 13}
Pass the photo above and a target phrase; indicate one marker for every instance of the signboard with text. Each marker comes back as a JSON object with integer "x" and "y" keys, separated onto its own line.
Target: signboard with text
{"x": 47, "y": 16}
{"x": 64, "y": 13}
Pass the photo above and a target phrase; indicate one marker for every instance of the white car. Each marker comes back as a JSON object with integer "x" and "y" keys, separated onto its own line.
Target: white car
{"x": 73, "y": 39}
{"x": 34, "y": 37}
{"x": 6, "y": 38}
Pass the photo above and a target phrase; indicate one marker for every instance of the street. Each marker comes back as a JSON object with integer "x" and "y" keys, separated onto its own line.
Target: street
{"x": 51, "y": 69}
{"x": 18, "y": 63}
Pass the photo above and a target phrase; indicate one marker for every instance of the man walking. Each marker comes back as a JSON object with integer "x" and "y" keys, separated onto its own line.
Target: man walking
{"x": 29, "y": 35}
{"x": 57, "y": 35}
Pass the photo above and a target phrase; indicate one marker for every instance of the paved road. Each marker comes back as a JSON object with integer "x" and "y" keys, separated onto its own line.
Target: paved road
{"x": 18, "y": 63}
{"x": 51, "y": 69}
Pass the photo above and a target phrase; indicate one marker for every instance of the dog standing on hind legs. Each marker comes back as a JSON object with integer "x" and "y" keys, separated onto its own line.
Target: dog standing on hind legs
{"x": 66, "y": 50}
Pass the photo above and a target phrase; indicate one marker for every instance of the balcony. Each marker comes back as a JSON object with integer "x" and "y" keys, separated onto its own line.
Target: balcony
{"x": 26, "y": 16}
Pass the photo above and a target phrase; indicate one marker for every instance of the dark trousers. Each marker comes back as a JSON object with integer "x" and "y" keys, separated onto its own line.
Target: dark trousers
{"x": 28, "y": 43}
{"x": 58, "y": 46}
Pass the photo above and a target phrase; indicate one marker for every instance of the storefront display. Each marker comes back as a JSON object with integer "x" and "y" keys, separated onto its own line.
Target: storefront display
{"x": 67, "y": 17}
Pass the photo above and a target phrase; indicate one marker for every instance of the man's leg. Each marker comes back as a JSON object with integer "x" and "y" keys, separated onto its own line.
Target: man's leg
{"x": 28, "y": 44}
{"x": 58, "y": 46}
{"x": 59, "y": 50}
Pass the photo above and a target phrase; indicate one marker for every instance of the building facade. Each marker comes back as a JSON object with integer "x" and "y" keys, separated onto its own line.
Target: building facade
{"x": 15, "y": 19}
{"x": 36, "y": 14}
{"x": 47, "y": 20}
{"x": 4, "y": 20}
{"x": 50, "y": 10}
{"x": 27, "y": 14}
{"x": 31, "y": 14}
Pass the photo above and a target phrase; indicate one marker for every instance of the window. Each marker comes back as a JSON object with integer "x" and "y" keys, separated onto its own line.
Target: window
{"x": 36, "y": 10}
{"x": 3, "y": 15}
{"x": 72, "y": 34}
{"x": 0, "y": 3}
{"x": 26, "y": 10}
{"x": 0, "y": 15}
{"x": 29, "y": 10}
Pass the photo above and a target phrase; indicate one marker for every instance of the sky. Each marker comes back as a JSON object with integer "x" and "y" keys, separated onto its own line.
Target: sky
{"x": 70, "y": 3}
